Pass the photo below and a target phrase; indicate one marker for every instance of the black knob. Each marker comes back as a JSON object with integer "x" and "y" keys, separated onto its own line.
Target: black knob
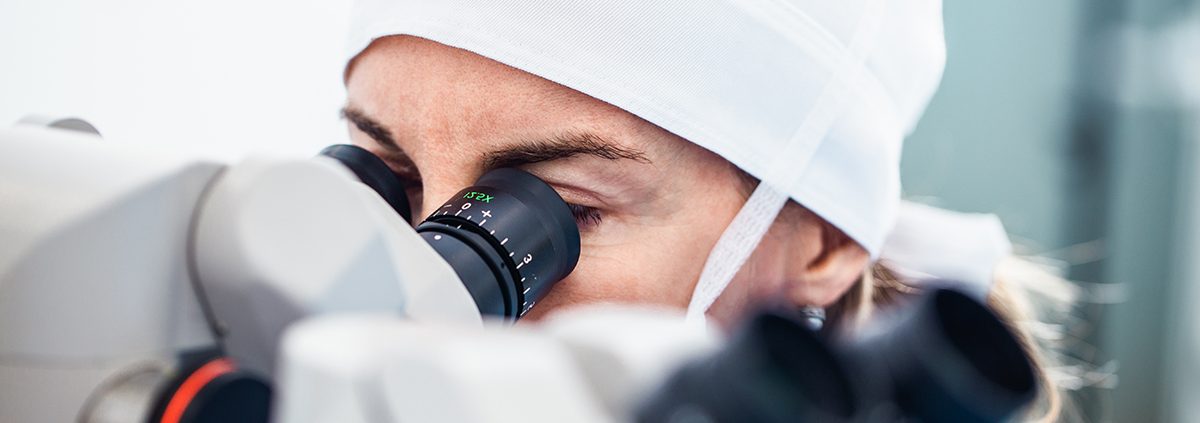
{"x": 372, "y": 170}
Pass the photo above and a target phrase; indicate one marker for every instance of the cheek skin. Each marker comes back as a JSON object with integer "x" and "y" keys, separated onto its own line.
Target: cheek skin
{"x": 655, "y": 258}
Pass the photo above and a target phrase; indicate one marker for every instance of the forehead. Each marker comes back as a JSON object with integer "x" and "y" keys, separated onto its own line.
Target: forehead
{"x": 410, "y": 67}
{"x": 419, "y": 88}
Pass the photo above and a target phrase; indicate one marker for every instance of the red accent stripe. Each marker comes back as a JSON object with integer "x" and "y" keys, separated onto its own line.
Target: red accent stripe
{"x": 192, "y": 386}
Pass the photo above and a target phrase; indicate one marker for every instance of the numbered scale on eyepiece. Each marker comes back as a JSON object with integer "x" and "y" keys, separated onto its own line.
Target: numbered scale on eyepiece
{"x": 510, "y": 237}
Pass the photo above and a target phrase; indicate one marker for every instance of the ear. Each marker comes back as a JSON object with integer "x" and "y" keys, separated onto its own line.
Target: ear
{"x": 830, "y": 273}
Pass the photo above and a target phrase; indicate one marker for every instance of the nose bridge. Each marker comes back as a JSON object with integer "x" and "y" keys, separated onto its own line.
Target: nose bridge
{"x": 435, "y": 197}
{"x": 451, "y": 129}
{"x": 444, "y": 178}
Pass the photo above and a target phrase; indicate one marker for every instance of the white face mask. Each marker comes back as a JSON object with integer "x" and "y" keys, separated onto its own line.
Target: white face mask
{"x": 932, "y": 245}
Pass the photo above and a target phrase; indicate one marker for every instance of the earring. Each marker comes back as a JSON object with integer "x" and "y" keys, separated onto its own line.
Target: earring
{"x": 814, "y": 317}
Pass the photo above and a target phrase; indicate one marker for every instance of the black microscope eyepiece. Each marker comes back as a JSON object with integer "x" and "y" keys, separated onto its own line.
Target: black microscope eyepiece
{"x": 509, "y": 237}
{"x": 374, "y": 172}
{"x": 522, "y": 235}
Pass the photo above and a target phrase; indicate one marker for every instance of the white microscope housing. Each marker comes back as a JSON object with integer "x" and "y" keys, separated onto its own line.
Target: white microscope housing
{"x": 105, "y": 247}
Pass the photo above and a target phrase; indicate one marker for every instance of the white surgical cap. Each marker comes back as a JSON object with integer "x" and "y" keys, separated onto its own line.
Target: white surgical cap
{"x": 812, "y": 97}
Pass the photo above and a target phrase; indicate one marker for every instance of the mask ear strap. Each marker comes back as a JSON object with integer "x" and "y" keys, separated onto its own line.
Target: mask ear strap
{"x": 740, "y": 239}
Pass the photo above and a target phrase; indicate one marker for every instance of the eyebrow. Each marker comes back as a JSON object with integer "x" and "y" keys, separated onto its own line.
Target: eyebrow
{"x": 558, "y": 147}
{"x": 393, "y": 154}
{"x": 371, "y": 127}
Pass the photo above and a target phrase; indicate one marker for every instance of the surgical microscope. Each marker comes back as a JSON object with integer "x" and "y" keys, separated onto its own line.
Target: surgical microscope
{"x": 144, "y": 285}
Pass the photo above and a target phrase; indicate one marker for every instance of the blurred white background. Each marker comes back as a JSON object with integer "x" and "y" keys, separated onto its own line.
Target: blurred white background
{"x": 224, "y": 76}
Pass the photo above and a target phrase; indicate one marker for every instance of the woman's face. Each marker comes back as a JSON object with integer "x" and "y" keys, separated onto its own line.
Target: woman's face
{"x": 650, "y": 205}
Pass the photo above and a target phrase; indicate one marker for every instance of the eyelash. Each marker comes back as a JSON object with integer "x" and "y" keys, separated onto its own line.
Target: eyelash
{"x": 586, "y": 217}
